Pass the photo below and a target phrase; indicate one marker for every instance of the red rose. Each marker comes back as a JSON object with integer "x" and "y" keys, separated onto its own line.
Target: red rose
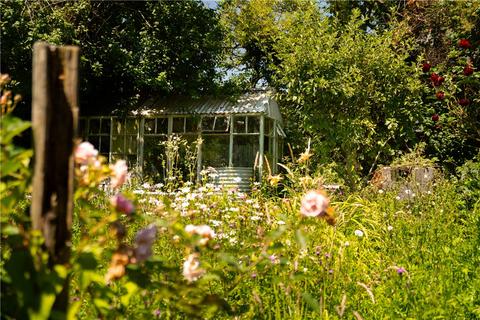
{"x": 468, "y": 70}
{"x": 464, "y": 43}
{"x": 440, "y": 95}
{"x": 436, "y": 79}
{"x": 426, "y": 67}
{"x": 439, "y": 81}
{"x": 435, "y": 117}
{"x": 464, "y": 102}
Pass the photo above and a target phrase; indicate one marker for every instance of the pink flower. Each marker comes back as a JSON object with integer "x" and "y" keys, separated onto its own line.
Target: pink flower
{"x": 119, "y": 170}
{"x": 314, "y": 204}
{"x": 144, "y": 241}
{"x": 85, "y": 153}
{"x": 203, "y": 231}
{"x": 191, "y": 268}
{"x": 122, "y": 204}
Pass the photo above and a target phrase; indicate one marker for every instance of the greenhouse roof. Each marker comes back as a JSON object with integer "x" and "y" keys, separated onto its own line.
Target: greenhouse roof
{"x": 252, "y": 103}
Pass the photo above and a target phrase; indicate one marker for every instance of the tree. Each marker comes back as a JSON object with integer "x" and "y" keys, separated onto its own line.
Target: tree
{"x": 128, "y": 48}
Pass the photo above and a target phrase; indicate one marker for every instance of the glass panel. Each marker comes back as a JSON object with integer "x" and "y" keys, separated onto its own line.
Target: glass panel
{"x": 191, "y": 124}
{"x": 118, "y": 126}
{"x": 94, "y": 127}
{"x": 149, "y": 127}
{"x": 215, "y": 151}
{"x": 131, "y": 161}
{"x": 131, "y": 145}
{"x": 82, "y": 133}
{"x": 269, "y": 126}
{"x": 105, "y": 145}
{"x": 106, "y": 126}
{"x": 207, "y": 123}
{"x": 245, "y": 150}
{"x": 239, "y": 124}
{"x": 254, "y": 124}
{"x": 178, "y": 125}
{"x": 162, "y": 125}
{"x": 154, "y": 162}
{"x": 95, "y": 140}
{"x": 132, "y": 126}
{"x": 221, "y": 124}
{"x": 118, "y": 145}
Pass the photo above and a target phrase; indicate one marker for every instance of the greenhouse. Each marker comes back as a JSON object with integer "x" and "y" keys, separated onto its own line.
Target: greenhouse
{"x": 238, "y": 138}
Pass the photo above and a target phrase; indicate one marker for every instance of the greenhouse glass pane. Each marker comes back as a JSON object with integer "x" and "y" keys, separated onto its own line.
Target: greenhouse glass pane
{"x": 245, "y": 150}
{"x": 254, "y": 124}
{"x": 268, "y": 126}
{"x": 106, "y": 126}
{"x": 131, "y": 145}
{"x": 149, "y": 127}
{"x": 178, "y": 125}
{"x": 82, "y": 133}
{"x": 239, "y": 124}
{"x": 105, "y": 145}
{"x": 118, "y": 126}
{"x": 118, "y": 144}
{"x": 207, "y": 123}
{"x": 132, "y": 126}
{"x": 94, "y": 126}
{"x": 154, "y": 161}
{"x": 162, "y": 125}
{"x": 95, "y": 140}
{"x": 221, "y": 124}
{"x": 215, "y": 151}
{"x": 191, "y": 124}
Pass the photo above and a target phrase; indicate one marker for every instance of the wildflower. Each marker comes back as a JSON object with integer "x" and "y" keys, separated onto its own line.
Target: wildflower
{"x": 85, "y": 153}
{"x": 191, "y": 268}
{"x": 426, "y": 67}
{"x": 359, "y": 233}
{"x": 204, "y": 231}
{"x": 440, "y": 95}
{"x": 280, "y": 222}
{"x": 468, "y": 70}
{"x": 253, "y": 275}
{"x": 274, "y": 180}
{"x": 116, "y": 270}
{"x": 464, "y": 43}
{"x": 346, "y": 244}
{"x": 119, "y": 171}
{"x": 314, "y": 204}
{"x": 144, "y": 241}
{"x": 435, "y": 117}
{"x": 157, "y": 313}
{"x": 305, "y": 156}
{"x": 274, "y": 259}
{"x": 464, "y": 102}
{"x": 122, "y": 204}
{"x": 389, "y": 228}
{"x": 401, "y": 270}
{"x": 436, "y": 79}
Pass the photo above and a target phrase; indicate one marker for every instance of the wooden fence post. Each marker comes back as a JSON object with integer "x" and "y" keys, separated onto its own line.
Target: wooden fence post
{"x": 54, "y": 123}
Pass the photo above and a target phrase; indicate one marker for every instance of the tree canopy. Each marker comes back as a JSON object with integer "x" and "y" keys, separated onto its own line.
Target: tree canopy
{"x": 128, "y": 48}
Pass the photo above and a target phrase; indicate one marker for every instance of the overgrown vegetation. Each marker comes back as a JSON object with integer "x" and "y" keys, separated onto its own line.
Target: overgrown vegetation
{"x": 361, "y": 88}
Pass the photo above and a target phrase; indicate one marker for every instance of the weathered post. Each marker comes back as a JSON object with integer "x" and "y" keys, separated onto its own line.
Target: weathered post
{"x": 54, "y": 123}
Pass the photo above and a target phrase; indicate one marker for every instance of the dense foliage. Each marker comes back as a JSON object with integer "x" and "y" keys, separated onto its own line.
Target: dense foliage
{"x": 128, "y": 48}
{"x": 357, "y": 84}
